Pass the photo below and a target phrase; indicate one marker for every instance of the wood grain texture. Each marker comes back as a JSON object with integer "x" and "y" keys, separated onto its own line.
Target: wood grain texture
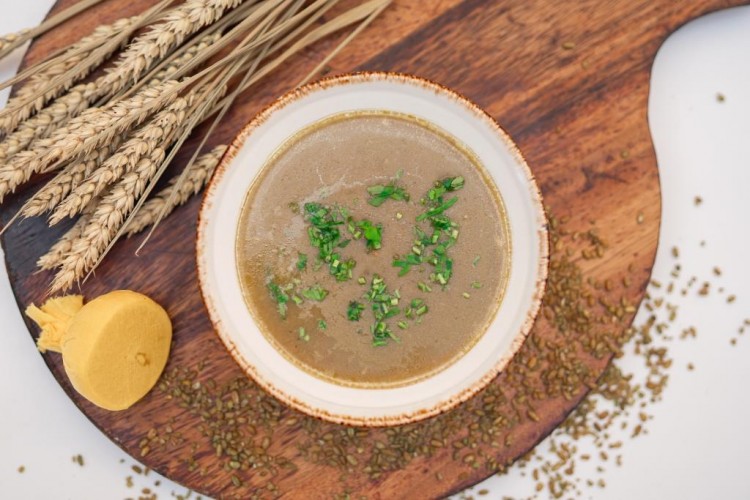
{"x": 579, "y": 117}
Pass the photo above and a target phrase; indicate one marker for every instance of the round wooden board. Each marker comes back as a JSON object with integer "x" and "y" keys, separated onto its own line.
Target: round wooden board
{"x": 568, "y": 81}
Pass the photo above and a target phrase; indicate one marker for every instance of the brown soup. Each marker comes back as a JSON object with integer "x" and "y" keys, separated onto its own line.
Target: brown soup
{"x": 422, "y": 322}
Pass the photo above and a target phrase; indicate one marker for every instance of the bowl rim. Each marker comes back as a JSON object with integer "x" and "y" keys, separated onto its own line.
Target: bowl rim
{"x": 542, "y": 265}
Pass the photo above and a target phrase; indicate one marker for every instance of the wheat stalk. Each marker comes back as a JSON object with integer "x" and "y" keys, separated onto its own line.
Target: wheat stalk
{"x": 151, "y": 97}
{"x": 80, "y": 97}
{"x": 21, "y": 107}
{"x": 84, "y": 133}
{"x": 172, "y": 196}
{"x": 76, "y": 53}
{"x": 49, "y": 196}
{"x": 182, "y": 183}
{"x": 159, "y": 131}
{"x": 365, "y": 13}
{"x": 108, "y": 216}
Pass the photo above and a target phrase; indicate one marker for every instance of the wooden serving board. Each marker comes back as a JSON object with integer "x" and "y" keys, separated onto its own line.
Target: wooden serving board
{"x": 568, "y": 80}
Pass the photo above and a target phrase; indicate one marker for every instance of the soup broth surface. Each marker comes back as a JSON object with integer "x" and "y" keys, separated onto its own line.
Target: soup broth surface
{"x": 333, "y": 163}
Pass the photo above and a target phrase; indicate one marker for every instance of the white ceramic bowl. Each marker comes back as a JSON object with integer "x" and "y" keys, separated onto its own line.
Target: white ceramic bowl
{"x": 217, "y": 262}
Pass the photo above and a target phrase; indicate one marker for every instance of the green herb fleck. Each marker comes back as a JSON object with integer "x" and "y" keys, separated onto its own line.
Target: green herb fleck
{"x": 403, "y": 325}
{"x": 324, "y": 235}
{"x": 354, "y": 311}
{"x": 438, "y": 209}
{"x": 301, "y": 261}
{"x": 361, "y": 280}
{"x": 373, "y": 234}
{"x": 476, "y": 284}
{"x": 322, "y": 325}
{"x": 303, "y": 335}
{"x": 380, "y": 193}
{"x": 444, "y": 233}
{"x": 281, "y": 298}
{"x": 424, "y": 287}
{"x": 475, "y": 261}
{"x": 406, "y": 263}
{"x": 384, "y": 306}
{"x": 315, "y": 292}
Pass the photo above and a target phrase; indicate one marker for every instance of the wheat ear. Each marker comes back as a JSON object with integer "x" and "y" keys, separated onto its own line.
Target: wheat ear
{"x": 178, "y": 23}
{"x": 73, "y": 103}
{"x": 70, "y": 58}
{"x": 49, "y": 196}
{"x": 158, "y": 131}
{"x": 73, "y": 64}
{"x": 172, "y": 196}
{"x": 184, "y": 58}
{"x": 54, "y": 256}
{"x": 11, "y": 41}
{"x": 79, "y": 98}
{"x": 84, "y": 133}
{"x": 109, "y": 215}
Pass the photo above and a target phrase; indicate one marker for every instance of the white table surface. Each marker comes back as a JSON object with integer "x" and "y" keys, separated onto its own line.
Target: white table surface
{"x": 698, "y": 445}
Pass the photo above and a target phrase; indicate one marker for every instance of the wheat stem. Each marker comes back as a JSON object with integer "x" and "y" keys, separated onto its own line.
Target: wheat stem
{"x": 108, "y": 216}
{"x": 364, "y": 12}
{"x": 23, "y": 107}
{"x": 158, "y": 131}
{"x": 86, "y": 132}
{"x": 346, "y": 41}
{"x": 261, "y": 29}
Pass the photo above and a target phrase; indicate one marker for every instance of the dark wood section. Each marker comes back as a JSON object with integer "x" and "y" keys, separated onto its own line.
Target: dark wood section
{"x": 568, "y": 80}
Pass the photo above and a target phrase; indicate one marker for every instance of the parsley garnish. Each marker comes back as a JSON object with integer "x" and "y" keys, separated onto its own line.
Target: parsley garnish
{"x": 280, "y": 296}
{"x": 380, "y": 193}
{"x": 406, "y": 262}
{"x": 303, "y": 335}
{"x": 322, "y": 325}
{"x": 301, "y": 261}
{"x": 324, "y": 235}
{"x": 416, "y": 308}
{"x": 384, "y": 306}
{"x": 438, "y": 209}
{"x": 373, "y": 233}
{"x": 354, "y": 311}
{"x": 444, "y": 233}
{"x": 315, "y": 292}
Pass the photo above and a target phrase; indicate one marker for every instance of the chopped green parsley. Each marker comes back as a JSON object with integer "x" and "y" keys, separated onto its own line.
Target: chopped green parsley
{"x": 354, "y": 310}
{"x": 380, "y": 193}
{"x": 316, "y": 293}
